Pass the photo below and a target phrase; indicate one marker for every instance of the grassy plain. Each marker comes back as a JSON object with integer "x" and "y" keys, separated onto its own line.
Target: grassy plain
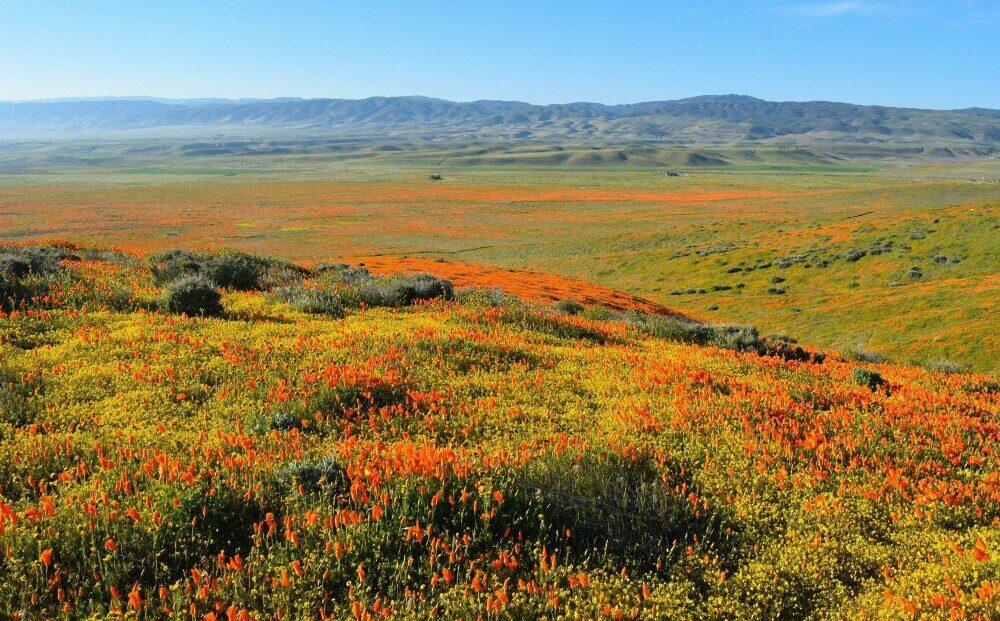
{"x": 766, "y": 245}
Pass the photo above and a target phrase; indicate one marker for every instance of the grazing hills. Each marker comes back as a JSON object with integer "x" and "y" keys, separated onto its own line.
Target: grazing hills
{"x": 697, "y": 120}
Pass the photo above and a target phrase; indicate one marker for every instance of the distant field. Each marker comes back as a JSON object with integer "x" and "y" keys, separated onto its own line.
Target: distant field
{"x": 898, "y": 260}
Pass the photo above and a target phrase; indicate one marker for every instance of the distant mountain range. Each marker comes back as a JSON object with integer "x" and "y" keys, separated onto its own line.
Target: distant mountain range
{"x": 725, "y": 119}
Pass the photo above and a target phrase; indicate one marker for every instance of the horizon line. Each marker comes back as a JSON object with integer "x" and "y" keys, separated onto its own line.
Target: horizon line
{"x": 210, "y": 99}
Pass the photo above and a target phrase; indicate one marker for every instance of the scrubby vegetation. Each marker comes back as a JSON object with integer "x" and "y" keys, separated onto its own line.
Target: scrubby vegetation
{"x": 727, "y": 336}
{"x": 191, "y": 295}
{"x": 872, "y": 379}
{"x": 310, "y": 300}
{"x": 229, "y": 270}
{"x": 570, "y": 307}
{"x": 343, "y": 445}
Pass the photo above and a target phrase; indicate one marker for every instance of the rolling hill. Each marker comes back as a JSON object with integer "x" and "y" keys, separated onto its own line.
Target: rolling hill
{"x": 326, "y": 443}
{"x": 699, "y": 120}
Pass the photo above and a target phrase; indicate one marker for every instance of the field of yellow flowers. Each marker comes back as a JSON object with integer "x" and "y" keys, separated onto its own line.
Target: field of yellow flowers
{"x": 299, "y": 453}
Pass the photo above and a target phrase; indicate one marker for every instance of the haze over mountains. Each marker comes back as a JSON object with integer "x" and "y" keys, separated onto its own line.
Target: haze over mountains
{"x": 705, "y": 120}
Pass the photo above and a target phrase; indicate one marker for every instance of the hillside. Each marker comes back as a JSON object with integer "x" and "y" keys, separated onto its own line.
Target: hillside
{"x": 324, "y": 443}
{"x": 697, "y": 120}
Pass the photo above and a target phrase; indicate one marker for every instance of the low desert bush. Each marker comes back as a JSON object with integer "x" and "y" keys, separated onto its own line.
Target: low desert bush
{"x": 356, "y": 288}
{"x": 312, "y": 301}
{"x": 228, "y": 270}
{"x": 324, "y": 474}
{"x": 869, "y": 379}
{"x": 727, "y": 336}
{"x": 625, "y": 510}
{"x": 21, "y": 262}
{"x": 570, "y": 307}
{"x": 192, "y": 296}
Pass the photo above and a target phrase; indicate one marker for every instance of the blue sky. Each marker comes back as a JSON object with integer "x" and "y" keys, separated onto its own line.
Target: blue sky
{"x": 922, "y": 53}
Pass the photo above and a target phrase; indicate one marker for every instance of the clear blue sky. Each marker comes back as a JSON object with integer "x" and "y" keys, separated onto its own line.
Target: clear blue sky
{"x": 923, "y": 53}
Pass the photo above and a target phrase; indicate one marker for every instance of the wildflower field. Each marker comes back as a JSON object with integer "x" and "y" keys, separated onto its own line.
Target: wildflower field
{"x": 901, "y": 261}
{"x": 234, "y": 437}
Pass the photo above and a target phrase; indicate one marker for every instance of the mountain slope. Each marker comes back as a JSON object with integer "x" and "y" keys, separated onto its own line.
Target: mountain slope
{"x": 707, "y": 119}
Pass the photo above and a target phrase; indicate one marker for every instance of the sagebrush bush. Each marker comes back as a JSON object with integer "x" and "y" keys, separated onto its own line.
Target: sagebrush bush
{"x": 12, "y": 291}
{"x": 409, "y": 289}
{"x": 237, "y": 271}
{"x": 343, "y": 273}
{"x": 169, "y": 265}
{"x": 311, "y": 301}
{"x": 860, "y": 354}
{"x": 869, "y": 379}
{"x": 621, "y": 510}
{"x": 354, "y": 288}
{"x": 727, "y": 336}
{"x": 28, "y": 273}
{"x": 192, "y": 296}
{"x": 943, "y": 366}
{"x": 228, "y": 270}
{"x": 570, "y": 307}
{"x": 21, "y": 262}
{"x": 669, "y": 328}
{"x": 281, "y": 421}
{"x": 324, "y": 474}
{"x": 483, "y": 296}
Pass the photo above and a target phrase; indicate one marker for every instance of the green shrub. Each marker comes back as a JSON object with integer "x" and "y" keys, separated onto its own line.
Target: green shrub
{"x": 529, "y": 318}
{"x": 192, "y": 296}
{"x": 727, "y": 336}
{"x": 281, "y": 421}
{"x": 170, "y": 265}
{"x": 225, "y": 517}
{"x": 871, "y": 379}
{"x": 237, "y": 271}
{"x": 734, "y": 336}
{"x": 12, "y": 292}
{"x": 353, "y": 288}
{"x": 854, "y": 254}
{"x": 621, "y": 508}
{"x": 985, "y": 387}
{"x": 409, "y": 289}
{"x": 343, "y": 273}
{"x": 17, "y": 398}
{"x": 860, "y": 354}
{"x": 786, "y": 348}
{"x": 481, "y": 296}
{"x": 228, "y": 270}
{"x": 668, "y": 328}
{"x": 570, "y": 307}
{"x": 28, "y": 273}
{"x": 324, "y": 474}
{"x": 311, "y": 301}
{"x": 21, "y": 262}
